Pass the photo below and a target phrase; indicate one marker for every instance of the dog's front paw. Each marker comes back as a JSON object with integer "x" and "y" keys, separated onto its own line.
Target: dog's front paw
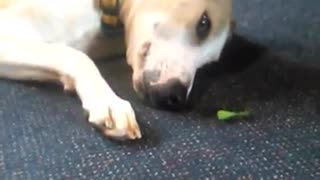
{"x": 116, "y": 118}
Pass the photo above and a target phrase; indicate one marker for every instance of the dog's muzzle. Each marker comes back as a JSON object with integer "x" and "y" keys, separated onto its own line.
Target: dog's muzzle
{"x": 169, "y": 95}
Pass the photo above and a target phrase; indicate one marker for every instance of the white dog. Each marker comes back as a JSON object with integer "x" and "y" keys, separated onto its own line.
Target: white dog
{"x": 166, "y": 42}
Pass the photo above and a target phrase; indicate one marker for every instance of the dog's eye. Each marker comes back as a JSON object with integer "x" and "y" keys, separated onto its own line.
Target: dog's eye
{"x": 203, "y": 26}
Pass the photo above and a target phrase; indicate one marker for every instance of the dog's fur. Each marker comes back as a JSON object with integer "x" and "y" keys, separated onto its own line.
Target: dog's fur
{"x": 52, "y": 40}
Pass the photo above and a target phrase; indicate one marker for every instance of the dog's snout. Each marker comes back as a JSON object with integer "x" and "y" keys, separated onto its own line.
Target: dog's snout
{"x": 151, "y": 76}
{"x": 170, "y": 95}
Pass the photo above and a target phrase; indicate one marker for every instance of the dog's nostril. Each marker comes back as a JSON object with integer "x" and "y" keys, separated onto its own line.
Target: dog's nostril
{"x": 171, "y": 95}
{"x": 174, "y": 100}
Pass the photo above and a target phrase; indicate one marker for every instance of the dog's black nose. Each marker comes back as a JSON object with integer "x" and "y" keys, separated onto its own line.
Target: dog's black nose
{"x": 170, "y": 95}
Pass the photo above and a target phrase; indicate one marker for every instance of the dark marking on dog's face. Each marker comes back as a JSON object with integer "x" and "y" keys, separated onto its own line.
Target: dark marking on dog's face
{"x": 168, "y": 41}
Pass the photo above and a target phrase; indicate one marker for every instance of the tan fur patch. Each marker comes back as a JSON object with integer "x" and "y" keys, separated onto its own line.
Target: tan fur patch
{"x": 6, "y": 3}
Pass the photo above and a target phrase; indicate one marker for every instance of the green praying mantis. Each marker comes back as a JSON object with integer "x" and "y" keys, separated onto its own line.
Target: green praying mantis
{"x": 225, "y": 115}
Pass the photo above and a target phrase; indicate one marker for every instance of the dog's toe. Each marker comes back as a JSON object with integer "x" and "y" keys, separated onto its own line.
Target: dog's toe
{"x": 117, "y": 120}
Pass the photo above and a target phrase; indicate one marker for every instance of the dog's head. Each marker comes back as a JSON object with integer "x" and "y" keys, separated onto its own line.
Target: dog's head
{"x": 168, "y": 41}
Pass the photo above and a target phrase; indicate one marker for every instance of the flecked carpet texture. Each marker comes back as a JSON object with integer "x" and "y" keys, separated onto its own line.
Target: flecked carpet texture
{"x": 271, "y": 68}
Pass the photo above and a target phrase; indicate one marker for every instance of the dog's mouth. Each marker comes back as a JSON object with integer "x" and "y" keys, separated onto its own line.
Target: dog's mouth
{"x": 169, "y": 96}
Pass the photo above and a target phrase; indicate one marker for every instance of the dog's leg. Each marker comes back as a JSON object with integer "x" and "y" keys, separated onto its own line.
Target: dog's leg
{"x": 30, "y": 60}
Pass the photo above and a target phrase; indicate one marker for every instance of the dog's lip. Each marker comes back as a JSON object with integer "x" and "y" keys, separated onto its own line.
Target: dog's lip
{"x": 144, "y": 51}
{"x": 146, "y": 48}
{"x": 148, "y": 100}
{"x": 139, "y": 88}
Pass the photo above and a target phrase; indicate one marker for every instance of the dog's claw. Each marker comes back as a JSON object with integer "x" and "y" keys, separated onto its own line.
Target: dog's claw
{"x": 117, "y": 120}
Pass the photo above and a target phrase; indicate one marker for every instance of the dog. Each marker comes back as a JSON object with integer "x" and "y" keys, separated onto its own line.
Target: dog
{"x": 166, "y": 42}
